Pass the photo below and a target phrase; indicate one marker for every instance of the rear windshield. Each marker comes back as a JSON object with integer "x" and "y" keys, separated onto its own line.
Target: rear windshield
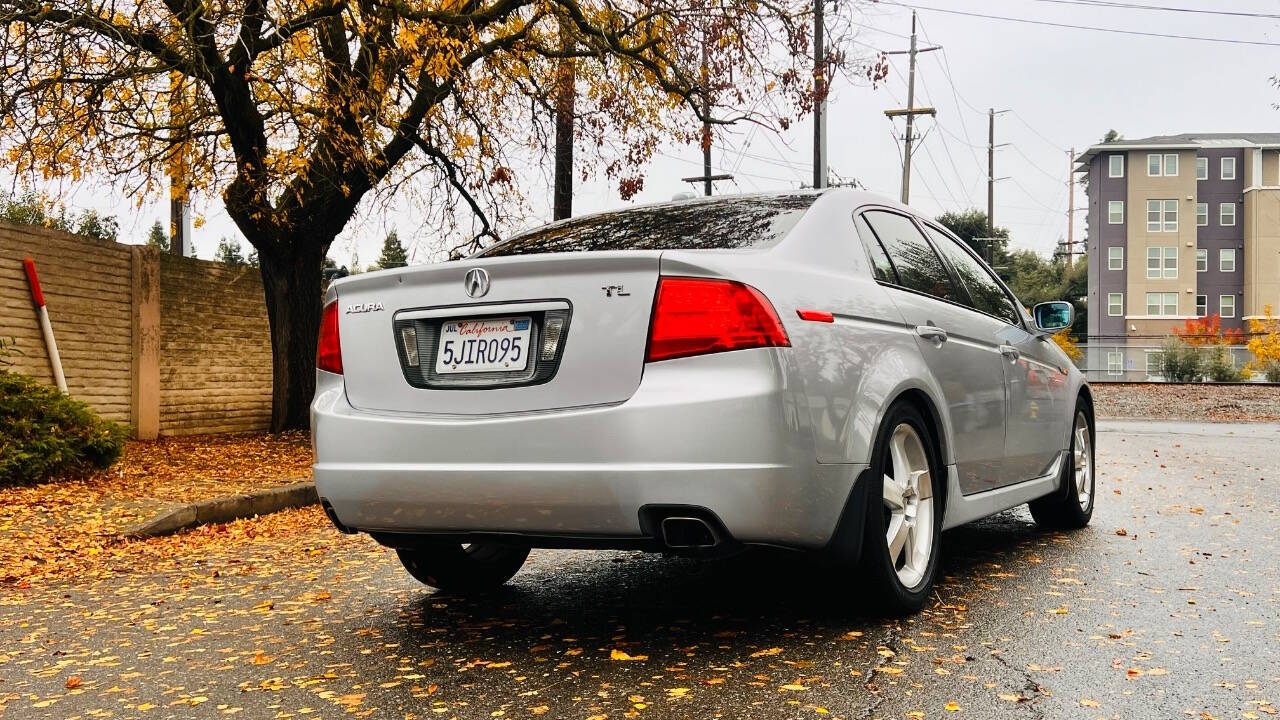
{"x": 719, "y": 224}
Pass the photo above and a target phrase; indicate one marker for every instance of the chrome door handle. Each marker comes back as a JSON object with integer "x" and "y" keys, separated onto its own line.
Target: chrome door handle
{"x": 1010, "y": 352}
{"x": 932, "y": 332}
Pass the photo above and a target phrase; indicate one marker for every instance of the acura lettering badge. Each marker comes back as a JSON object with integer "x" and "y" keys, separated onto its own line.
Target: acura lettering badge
{"x": 476, "y": 282}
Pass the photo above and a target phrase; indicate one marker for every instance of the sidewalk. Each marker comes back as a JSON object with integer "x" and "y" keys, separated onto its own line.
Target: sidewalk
{"x": 50, "y": 528}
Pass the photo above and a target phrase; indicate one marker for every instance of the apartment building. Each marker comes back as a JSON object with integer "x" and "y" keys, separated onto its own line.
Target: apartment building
{"x": 1179, "y": 227}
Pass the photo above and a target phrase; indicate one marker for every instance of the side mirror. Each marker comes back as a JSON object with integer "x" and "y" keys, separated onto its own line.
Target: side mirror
{"x": 1051, "y": 317}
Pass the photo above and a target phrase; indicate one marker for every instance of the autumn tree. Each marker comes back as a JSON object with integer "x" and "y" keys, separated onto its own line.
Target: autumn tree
{"x": 1264, "y": 344}
{"x": 296, "y": 112}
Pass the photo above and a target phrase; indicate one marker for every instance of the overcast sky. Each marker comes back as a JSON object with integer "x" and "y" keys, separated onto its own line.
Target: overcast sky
{"x": 1065, "y": 87}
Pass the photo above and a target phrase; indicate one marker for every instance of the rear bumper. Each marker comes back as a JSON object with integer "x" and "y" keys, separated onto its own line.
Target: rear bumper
{"x": 721, "y": 432}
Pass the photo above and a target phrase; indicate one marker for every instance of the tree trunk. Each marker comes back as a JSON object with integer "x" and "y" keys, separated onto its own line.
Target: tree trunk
{"x": 292, "y": 287}
{"x": 562, "y": 204}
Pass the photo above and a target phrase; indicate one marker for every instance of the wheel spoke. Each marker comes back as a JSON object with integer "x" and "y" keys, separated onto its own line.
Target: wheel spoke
{"x": 894, "y": 493}
{"x": 897, "y": 537}
{"x": 923, "y": 484}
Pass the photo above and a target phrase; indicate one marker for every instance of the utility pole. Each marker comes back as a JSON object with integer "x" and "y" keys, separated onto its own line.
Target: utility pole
{"x": 706, "y": 177}
{"x": 819, "y": 97}
{"x": 911, "y": 110}
{"x": 991, "y": 182}
{"x": 179, "y": 170}
{"x": 1071, "y": 211}
{"x": 562, "y": 197}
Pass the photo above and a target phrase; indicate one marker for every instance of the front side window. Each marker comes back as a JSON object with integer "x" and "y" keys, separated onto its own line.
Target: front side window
{"x": 1227, "y": 260}
{"x": 1115, "y": 363}
{"x": 1227, "y": 305}
{"x": 1155, "y": 359}
{"x": 1153, "y": 165}
{"x": 1171, "y": 215}
{"x": 1153, "y": 263}
{"x": 1202, "y": 168}
{"x": 1162, "y": 216}
{"x": 1227, "y": 214}
{"x": 1170, "y": 263}
{"x": 1115, "y": 212}
{"x": 1202, "y": 214}
{"x": 1115, "y": 304}
{"x": 1202, "y": 305}
{"x": 1115, "y": 166}
{"x": 1202, "y": 260}
{"x": 1171, "y": 165}
{"x": 1115, "y": 258}
{"x": 984, "y": 290}
{"x": 919, "y": 268}
{"x": 1153, "y": 215}
{"x": 1228, "y": 168}
{"x": 1162, "y": 262}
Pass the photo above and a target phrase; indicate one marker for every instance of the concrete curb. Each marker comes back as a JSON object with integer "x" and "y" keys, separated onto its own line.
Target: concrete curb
{"x": 226, "y": 509}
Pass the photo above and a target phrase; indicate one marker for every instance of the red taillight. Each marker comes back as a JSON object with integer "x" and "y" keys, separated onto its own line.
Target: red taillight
{"x": 329, "y": 346}
{"x": 695, "y": 316}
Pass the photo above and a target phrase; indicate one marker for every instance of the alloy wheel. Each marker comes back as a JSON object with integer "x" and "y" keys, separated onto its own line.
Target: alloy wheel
{"x": 1082, "y": 458}
{"x": 908, "y": 505}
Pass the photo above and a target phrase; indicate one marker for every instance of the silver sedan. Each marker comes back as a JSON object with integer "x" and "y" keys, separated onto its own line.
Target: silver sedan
{"x": 825, "y": 372}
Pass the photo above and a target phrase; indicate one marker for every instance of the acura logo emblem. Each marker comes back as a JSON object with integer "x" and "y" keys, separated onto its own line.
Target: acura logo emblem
{"x": 476, "y": 282}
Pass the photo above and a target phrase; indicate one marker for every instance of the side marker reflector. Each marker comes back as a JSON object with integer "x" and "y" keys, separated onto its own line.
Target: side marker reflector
{"x": 816, "y": 316}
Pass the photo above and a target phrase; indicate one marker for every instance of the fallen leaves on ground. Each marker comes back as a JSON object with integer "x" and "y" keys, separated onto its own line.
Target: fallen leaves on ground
{"x": 67, "y": 526}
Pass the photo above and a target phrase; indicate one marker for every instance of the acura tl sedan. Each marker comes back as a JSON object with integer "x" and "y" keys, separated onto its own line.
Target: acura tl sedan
{"x": 828, "y": 372}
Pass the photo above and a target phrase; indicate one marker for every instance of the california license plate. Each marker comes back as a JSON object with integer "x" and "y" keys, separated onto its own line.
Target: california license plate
{"x": 488, "y": 345}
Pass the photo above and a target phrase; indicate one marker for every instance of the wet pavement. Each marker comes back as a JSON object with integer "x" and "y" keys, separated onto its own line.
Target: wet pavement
{"x": 1168, "y": 605}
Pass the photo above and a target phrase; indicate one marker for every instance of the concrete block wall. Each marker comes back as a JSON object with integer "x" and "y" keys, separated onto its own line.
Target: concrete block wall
{"x": 164, "y": 344}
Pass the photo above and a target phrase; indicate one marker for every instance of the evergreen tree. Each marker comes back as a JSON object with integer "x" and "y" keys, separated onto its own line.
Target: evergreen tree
{"x": 157, "y": 238}
{"x": 393, "y": 253}
{"x": 229, "y": 252}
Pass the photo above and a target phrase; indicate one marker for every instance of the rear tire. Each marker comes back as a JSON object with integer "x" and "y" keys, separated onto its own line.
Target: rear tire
{"x": 903, "y": 525}
{"x": 1072, "y": 506}
{"x": 453, "y": 568}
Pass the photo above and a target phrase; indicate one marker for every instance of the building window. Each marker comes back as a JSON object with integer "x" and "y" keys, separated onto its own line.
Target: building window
{"x": 1115, "y": 258}
{"x": 1162, "y": 303}
{"x": 1227, "y": 214}
{"x": 1115, "y": 363}
{"x": 1226, "y": 260}
{"x": 1115, "y": 166}
{"x": 1228, "y": 168}
{"x": 1171, "y": 165}
{"x": 1162, "y": 262}
{"x": 1166, "y": 165}
{"x": 1153, "y": 165}
{"x": 1202, "y": 305}
{"x": 1202, "y": 168}
{"x": 1202, "y": 214}
{"x": 1202, "y": 261}
{"x": 1115, "y": 212}
{"x": 1227, "y": 306}
{"x": 1162, "y": 216}
{"x": 1154, "y": 359}
{"x": 1115, "y": 304}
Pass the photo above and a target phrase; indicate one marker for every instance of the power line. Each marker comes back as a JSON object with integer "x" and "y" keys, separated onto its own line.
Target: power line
{"x": 1162, "y": 8}
{"x": 1033, "y": 164}
{"x": 1119, "y": 31}
{"x": 1039, "y": 134}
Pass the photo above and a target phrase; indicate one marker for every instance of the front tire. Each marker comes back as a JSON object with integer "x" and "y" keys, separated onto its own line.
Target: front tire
{"x": 453, "y": 567}
{"x": 903, "y": 526}
{"x": 1072, "y": 506}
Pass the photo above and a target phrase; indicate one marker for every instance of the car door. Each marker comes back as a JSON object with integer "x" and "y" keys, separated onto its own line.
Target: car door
{"x": 959, "y": 345}
{"x": 1035, "y": 387}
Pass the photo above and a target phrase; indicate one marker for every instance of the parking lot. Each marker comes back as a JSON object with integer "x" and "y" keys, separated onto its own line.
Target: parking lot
{"x": 1167, "y": 606}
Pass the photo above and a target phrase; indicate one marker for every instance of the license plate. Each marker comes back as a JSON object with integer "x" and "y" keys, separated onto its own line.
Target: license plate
{"x": 487, "y": 345}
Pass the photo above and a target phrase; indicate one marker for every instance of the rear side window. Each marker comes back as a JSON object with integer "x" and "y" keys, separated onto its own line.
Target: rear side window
{"x": 881, "y": 267}
{"x": 984, "y": 290}
{"x": 718, "y": 224}
{"x": 919, "y": 267}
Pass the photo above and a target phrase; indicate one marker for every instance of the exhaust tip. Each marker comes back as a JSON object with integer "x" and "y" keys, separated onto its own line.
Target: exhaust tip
{"x": 333, "y": 518}
{"x": 688, "y": 532}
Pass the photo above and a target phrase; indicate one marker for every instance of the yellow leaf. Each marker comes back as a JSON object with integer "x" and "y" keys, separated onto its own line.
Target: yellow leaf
{"x": 539, "y": 710}
{"x": 677, "y": 692}
{"x": 952, "y": 707}
{"x": 1009, "y": 697}
{"x": 1086, "y": 702}
{"x": 617, "y": 654}
{"x": 767, "y": 653}
{"x": 498, "y": 665}
{"x": 889, "y": 670}
{"x": 794, "y": 687}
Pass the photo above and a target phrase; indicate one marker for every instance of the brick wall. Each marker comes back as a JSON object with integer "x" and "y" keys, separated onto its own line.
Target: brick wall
{"x": 162, "y": 343}
{"x": 87, "y": 288}
{"x": 215, "y": 348}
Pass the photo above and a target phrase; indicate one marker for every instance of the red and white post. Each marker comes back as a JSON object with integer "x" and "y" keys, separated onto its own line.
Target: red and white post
{"x": 46, "y": 327}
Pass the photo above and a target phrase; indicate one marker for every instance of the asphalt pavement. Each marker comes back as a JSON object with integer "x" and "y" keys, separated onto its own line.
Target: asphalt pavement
{"x": 1167, "y": 606}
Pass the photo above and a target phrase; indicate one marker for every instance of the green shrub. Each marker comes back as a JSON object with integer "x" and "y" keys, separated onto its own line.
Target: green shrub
{"x": 1179, "y": 362}
{"x": 45, "y": 433}
{"x": 1217, "y": 365}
